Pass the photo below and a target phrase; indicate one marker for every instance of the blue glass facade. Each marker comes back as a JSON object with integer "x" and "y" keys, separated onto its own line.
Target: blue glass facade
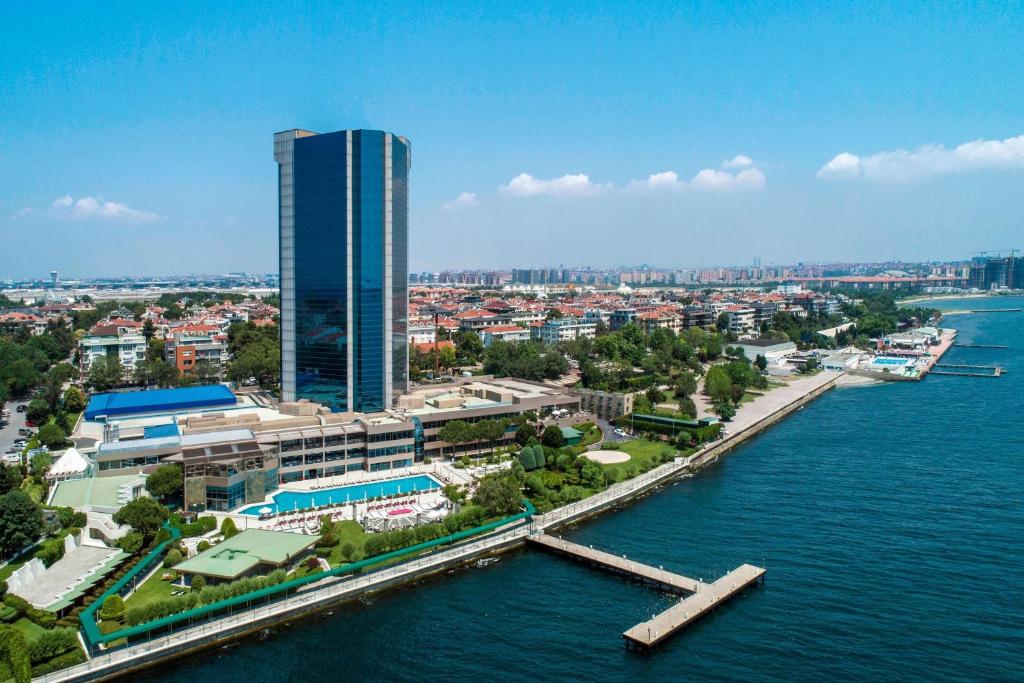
{"x": 344, "y": 264}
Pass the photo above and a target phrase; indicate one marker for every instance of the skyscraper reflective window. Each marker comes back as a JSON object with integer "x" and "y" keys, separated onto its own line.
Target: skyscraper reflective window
{"x": 344, "y": 267}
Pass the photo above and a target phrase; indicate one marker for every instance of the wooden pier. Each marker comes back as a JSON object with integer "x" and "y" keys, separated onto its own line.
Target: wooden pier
{"x": 647, "y": 634}
{"x": 961, "y": 370}
{"x": 981, "y": 346}
{"x": 701, "y": 599}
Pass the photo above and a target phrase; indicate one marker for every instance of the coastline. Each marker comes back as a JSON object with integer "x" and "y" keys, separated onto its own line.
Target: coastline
{"x": 751, "y": 419}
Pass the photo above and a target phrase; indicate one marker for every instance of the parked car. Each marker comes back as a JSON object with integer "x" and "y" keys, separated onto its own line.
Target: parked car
{"x": 24, "y": 431}
{"x": 22, "y": 407}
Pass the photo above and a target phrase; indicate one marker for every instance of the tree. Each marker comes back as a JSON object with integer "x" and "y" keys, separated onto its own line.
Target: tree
{"x": 591, "y": 474}
{"x": 655, "y": 396}
{"x": 686, "y": 384}
{"x": 165, "y": 482}
{"x": 74, "y": 400}
{"x": 811, "y": 365}
{"x": 761, "y": 363}
{"x": 526, "y": 459}
{"x": 228, "y": 528}
{"x": 105, "y": 373}
{"x": 469, "y": 345}
{"x": 10, "y": 479}
{"x": 38, "y": 411}
{"x": 21, "y": 522}
{"x": 724, "y": 409}
{"x": 144, "y": 514}
{"x": 14, "y": 652}
{"x": 722, "y": 322}
{"x": 539, "y": 457}
{"x": 736, "y": 392}
{"x": 154, "y": 349}
{"x": 148, "y": 330}
{"x": 718, "y": 384}
{"x": 524, "y": 433}
{"x": 553, "y": 437}
{"x": 687, "y": 407}
{"x": 198, "y": 582}
{"x": 52, "y": 436}
{"x": 456, "y": 432}
{"x": 498, "y": 495}
{"x": 445, "y": 356}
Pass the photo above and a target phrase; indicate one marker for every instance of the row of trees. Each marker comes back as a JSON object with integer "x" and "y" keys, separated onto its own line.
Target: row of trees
{"x": 528, "y": 360}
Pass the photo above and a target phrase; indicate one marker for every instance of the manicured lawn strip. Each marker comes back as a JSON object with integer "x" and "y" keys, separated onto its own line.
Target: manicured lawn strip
{"x": 150, "y": 590}
{"x": 10, "y": 568}
{"x": 348, "y": 531}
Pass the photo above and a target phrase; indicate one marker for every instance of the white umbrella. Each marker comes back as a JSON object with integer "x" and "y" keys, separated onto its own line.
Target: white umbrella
{"x": 265, "y": 511}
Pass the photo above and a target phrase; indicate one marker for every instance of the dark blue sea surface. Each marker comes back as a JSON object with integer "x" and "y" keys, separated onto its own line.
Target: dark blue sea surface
{"x": 890, "y": 519}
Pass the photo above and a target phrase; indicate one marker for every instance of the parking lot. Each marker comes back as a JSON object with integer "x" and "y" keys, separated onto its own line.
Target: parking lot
{"x": 9, "y": 432}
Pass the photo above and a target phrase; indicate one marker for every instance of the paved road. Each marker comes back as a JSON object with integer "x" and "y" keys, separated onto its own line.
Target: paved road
{"x": 9, "y": 432}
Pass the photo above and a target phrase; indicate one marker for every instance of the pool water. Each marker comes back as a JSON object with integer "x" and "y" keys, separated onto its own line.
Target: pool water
{"x": 881, "y": 360}
{"x": 284, "y": 501}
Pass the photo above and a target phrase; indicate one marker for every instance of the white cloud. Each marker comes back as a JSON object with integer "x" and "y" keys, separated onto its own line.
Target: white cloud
{"x": 902, "y": 164}
{"x": 463, "y": 201}
{"x": 525, "y": 185}
{"x": 723, "y": 181}
{"x": 707, "y": 180}
{"x": 97, "y": 207}
{"x": 22, "y": 212}
{"x": 738, "y": 161}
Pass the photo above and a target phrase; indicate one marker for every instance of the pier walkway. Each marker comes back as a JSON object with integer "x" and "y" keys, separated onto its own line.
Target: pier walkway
{"x": 649, "y": 633}
{"x": 620, "y": 565}
{"x": 702, "y": 598}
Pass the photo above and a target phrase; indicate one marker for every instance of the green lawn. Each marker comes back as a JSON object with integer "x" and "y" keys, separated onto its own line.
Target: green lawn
{"x": 644, "y": 455}
{"x": 590, "y": 436}
{"x": 346, "y": 530}
{"x": 151, "y": 589}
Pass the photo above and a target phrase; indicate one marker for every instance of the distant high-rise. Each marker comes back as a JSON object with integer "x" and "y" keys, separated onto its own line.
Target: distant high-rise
{"x": 54, "y": 279}
{"x": 344, "y": 234}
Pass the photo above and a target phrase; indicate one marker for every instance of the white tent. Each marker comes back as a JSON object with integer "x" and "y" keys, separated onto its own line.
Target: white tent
{"x": 70, "y": 465}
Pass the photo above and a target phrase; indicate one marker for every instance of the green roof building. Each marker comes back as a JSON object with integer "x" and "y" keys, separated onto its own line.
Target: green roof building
{"x": 254, "y": 551}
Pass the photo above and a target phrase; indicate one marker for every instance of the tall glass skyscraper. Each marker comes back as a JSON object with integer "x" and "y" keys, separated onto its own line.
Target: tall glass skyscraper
{"x": 344, "y": 239}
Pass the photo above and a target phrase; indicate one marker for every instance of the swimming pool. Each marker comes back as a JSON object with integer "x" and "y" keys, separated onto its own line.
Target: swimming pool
{"x": 284, "y": 501}
{"x": 884, "y": 360}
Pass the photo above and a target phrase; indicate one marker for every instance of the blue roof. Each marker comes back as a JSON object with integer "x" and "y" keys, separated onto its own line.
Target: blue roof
{"x": 155, "y": 431}
{"x": 159, "y": 400}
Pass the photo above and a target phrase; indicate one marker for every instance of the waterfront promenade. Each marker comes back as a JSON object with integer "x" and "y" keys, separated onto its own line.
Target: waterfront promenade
{"x": 749, "y": 421}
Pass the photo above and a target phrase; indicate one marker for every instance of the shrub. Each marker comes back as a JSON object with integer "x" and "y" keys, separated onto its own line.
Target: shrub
{"x": 51, "y": 550}
{"x": 131, "y": 542}
{"x": 51, "y": 643}
{"x": 41, "y": 617}
{"x": 203, "y": 545}
{"x": 14, "y": 650}
{"x": 198, "y": 583}
{"x": 113, "y": 607}
{"x": 312, "y": 563}
{"x": 68, "y": 659}
{"x": 173, "y": 558}
{"x": 19, "y": 604}
{"x": 228, "y": 528}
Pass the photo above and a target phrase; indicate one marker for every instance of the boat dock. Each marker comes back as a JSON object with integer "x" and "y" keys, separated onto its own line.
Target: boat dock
{"x": 701, "y": 599}
{"x": 981, "y": 346}
{"x": 961, "y": 370}
{"x": 647, "y": 634}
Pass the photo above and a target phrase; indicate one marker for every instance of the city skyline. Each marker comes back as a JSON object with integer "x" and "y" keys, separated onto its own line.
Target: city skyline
{"x": 892, "y": 143}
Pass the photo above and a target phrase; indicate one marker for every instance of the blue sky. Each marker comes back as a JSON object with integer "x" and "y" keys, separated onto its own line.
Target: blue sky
{"x": 136, "y": 137}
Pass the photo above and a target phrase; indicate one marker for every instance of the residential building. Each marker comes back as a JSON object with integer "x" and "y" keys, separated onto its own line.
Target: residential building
{"x": 505, "y": 333}
{"x": 565, "y": 329}
{"x": 422, "y": 331}
{"x": 741, "y": 318}
{"x": 606, "y": 405}
{"x": 121, "y": 339}
{"x": 343, "y": 223}
{"x": 187, "y": 345}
